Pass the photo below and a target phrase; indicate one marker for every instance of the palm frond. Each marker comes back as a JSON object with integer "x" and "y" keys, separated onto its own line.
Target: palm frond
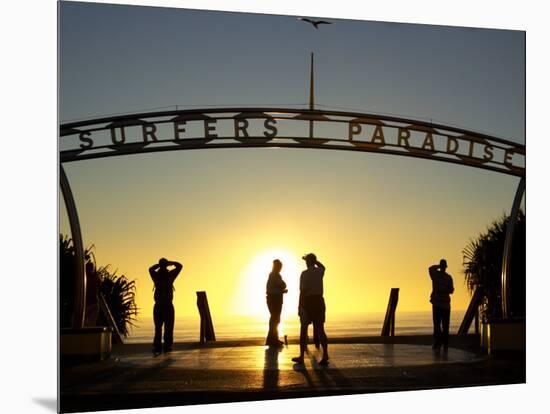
{"x": 482, "y": 263}
{"x": 119, "y": 292}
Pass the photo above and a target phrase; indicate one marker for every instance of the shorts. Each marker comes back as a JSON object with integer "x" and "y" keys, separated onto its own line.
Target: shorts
{"x": 275, "y": 304}
{"x": 312, "y": 309}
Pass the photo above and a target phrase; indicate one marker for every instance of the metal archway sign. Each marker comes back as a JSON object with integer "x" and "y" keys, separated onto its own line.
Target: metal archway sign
{"x": 142, "y": 133}
{"x": 283, "y": 127}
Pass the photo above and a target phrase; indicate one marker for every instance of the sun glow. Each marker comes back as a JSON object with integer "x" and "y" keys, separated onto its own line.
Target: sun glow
{"x": 251, "y": 301}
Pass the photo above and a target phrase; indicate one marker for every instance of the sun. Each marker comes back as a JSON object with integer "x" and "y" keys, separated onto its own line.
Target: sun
{"x": 251, "y": 301}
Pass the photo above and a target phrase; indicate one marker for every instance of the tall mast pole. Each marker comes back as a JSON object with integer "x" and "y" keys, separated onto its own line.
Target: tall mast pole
{"x": 311, "y": 96}
{"x": 311, "y": 86}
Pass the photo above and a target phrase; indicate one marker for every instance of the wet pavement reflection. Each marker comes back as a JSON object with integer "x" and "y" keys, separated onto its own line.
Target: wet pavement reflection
{"x": 273, "y": 359}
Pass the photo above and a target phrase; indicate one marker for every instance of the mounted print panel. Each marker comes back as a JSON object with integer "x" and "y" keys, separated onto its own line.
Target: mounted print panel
{"x": 258, "y": 207}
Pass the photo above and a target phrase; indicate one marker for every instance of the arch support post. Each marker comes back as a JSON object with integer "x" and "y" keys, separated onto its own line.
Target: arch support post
{"x": 507, "y": 254}
{"x": 79, "y": 309}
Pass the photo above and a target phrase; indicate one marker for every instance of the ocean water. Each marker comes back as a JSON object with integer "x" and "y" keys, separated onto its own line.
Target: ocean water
{"x": 187, "y": 329}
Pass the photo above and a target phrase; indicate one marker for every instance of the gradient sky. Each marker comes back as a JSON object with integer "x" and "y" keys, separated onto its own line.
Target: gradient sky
{"x": 375, "y": 221}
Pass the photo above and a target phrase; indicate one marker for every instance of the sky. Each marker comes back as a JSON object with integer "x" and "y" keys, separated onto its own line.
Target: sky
{"x": 375, "y": 221}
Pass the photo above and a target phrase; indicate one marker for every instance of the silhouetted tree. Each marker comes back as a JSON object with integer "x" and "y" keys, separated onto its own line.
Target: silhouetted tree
{"x": 482, "y": 260}
{"x": 66, "y": 280}
{"x": 118, "y": 291}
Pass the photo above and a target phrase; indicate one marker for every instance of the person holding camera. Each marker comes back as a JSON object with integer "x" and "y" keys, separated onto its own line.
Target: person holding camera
{"x": 163, "y": 311}
{"x": 312, "y": 306}
{"x": 442, "y": 288}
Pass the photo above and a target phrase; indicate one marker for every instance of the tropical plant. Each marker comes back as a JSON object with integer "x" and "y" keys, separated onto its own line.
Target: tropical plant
{"x": 66, "y": 280}
{"x": 118, "y": 291}
{"x": 482, "y": 260}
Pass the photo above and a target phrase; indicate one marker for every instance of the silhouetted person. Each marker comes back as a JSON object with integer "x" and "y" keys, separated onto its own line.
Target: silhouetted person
{"x": 275, "y": 289}
{"x": 442, "y": 288}
{"x": 163, "y": 312}
{"x": 312, "y": 306}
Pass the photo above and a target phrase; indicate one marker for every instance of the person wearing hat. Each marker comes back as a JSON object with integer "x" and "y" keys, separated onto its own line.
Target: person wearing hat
{"x": 163, "y": 312}
{"x": 275, "y": 288}
{"x": 442, "y": 288}
{"x": 312, "y": 306}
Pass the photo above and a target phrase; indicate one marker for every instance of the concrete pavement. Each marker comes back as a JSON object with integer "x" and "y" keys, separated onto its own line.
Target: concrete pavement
{"x": 189, "y": 375}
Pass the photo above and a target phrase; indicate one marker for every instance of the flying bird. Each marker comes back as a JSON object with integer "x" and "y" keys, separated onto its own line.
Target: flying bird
{"x": 315, "y": 23}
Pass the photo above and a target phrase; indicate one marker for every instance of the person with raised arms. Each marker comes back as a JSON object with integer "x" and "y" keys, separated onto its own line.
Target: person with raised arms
{"x": 311, "y": 308}
{"x": 163, "y": 311}
{"x": 442, "y": 288}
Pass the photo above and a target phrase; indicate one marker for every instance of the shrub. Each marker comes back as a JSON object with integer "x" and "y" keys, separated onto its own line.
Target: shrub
{"x": 483, "y": 267}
